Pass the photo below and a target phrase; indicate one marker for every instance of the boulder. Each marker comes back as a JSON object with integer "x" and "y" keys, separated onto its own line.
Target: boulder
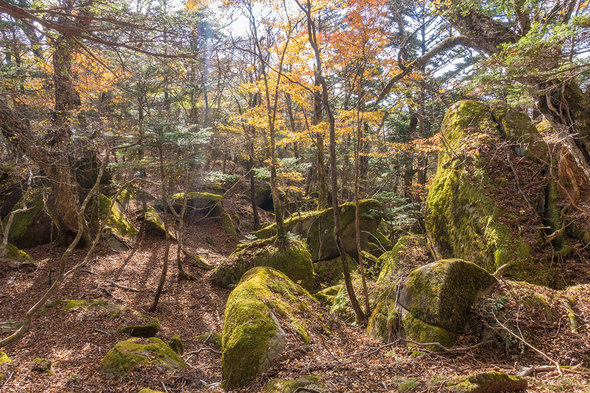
{"x": 330, "y": 272}
{"x": 258, "y": 311}
{"x": 137, "y": 352}
{"x": 487, "y": 382}
{"x": 15, "y": 254}
{"x": 155, "y": 223}
{"x": 317, "y": 228}
{"x": 431, "y": 305}
{"x": 199, "y": 204}
{"x": 33, "y": 226}
{"x": 292, "y": 385}
{"x": 122, "y": 234}
{"x": 287, "y": 255}
{"x": 442, "y": 293}
{"x": 477, "y": 208}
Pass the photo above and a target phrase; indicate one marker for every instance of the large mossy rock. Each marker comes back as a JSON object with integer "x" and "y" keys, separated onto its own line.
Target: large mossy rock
{"x": 33, "y": 226}
{"x": 258, "y": 311}
{"x": 476, "y": 208}
{"x": 317, "y": 228}
{"x": 442, "y": 293}
{"x": 122, "y": 234}
{"x": 136, "y": 352}
{"x": 431, "y": 305}
{"x": 287, "y": 255}
{"x": 154, "y": 223}
{"x": 487, "y": 382}
{"x": 199, "y": 204}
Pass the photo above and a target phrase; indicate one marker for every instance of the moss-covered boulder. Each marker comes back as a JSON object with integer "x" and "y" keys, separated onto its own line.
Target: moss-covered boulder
{"x": 326, "y": 296}
{"x": 287, "y": 255}
{"x": 34, "y": 226}
{"x": 122, "y": 234}
{"x": 477, "y": 208}
{"x": 42, "y": 365}
{"x": 4, "y": 363}
{"x": 442, "y": 293}
{"x": 291, "y": 385}
{"x": 176, "y": 344}
{"x": 198, "y": 203}
{"x": 487, "y": 382}
{"x": 410, "y": 251}
{"x": 149, "y": 329}
{"x": 154, "y": 223}
{"x": 146, "y": 390}
{"x": 258, "y": 311}
{"x": 13, "y": 253}
{"x": 317, "y": 228}
{"x": 384, "y": 321}
{"x": 137, "y": 352}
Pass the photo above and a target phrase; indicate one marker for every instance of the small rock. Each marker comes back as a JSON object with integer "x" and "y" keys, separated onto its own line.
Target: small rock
{"x": 176, "y": 344}
{"x": 41, "y": 365}
{"x": 487, "y": 382}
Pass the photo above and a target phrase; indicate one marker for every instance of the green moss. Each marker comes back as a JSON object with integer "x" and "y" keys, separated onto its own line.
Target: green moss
{"x": 317, "y": 228}
{"x": 227, "y": 225}
{"x": 21, "y": 223}
{"x": 137, "y": 352}
{"x": 404, "y": 384}
{"x": 419, "y": 331}
{"x": 154, "y": 223}
{"x": 146, "y": 390}
{"x": 143, "y": 330}
{"x": 489, "y": 381}
{"x": 77, "y": 303}
{"x": 385, "y": 319}
{"x": 443, "y": 292}
{"x": 176, "y": 344}
{"x": 207, "y": 196}
{"x": 287, "y": 255}
{"x": 212, "y": 338}
{"x": 252, "y": 335}
{"x": 42, "y": 366}
{"x": 117, "y": 222}
{"x": 289, "y": 385}
{"x": 4, "y": 359}
{"x": 326, "y": 295}
{"x": 15, "y": 254}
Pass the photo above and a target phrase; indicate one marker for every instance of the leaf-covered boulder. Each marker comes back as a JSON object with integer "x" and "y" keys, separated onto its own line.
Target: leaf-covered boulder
{"x": 317, "y": 228}
{"x": 490, "y": 179}
{"x": 287, "y": 255}
{"x": 259, "y": 310}
{"x": 136, "y": 352}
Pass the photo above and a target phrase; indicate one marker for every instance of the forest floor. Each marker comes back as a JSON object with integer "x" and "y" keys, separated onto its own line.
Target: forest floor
{"x": 76, "y": 340}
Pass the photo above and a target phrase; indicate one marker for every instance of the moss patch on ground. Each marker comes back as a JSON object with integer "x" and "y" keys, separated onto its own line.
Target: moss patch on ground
{"x": 291, "y": 385}
{"x": 252, "y": 333}
{"x": 287, "y": 255}
{"x": 137, "y": 352}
